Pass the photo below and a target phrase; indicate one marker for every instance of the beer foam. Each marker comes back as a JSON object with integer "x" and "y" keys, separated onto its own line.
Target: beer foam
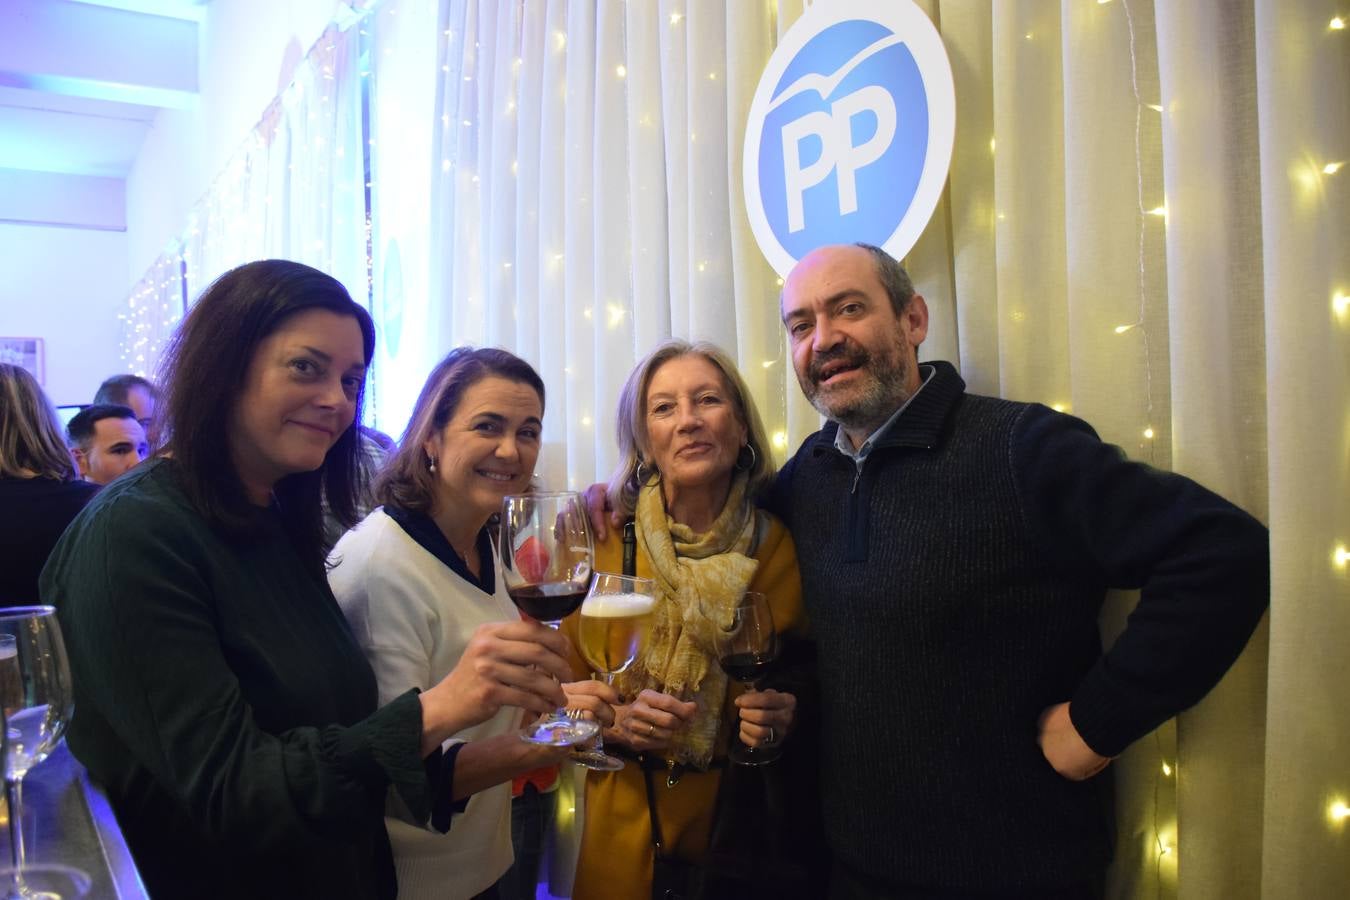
{"x": 8, "y": 651}
{"x": 613, "y": 606}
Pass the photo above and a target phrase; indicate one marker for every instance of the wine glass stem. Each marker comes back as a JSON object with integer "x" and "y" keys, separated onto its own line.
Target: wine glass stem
{"x": 13, "y": 798}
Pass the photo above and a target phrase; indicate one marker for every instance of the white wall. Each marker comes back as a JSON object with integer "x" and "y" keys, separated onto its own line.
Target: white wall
{"x": 65, "y": 285}
{"x": 248, "y": 53}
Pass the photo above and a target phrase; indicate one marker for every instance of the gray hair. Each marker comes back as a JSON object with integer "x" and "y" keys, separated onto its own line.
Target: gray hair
{"x": 893, "y": 277}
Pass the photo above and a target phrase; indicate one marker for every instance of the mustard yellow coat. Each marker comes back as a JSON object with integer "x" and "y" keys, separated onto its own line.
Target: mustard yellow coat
{"x": 616, "y": 846}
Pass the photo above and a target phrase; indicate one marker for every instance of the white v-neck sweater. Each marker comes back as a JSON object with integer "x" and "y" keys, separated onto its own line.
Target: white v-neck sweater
{"x": 413, "y": 616}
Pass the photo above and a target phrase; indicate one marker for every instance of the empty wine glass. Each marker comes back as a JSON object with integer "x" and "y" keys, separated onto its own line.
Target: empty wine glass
{"x": 35, "y": 694}
{"x": 547, "y": 554}
{"x": 615, "y": 618}
{"x": 747, "y": 647}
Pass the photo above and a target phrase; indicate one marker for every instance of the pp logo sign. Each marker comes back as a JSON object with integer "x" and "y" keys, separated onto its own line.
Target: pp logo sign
{"x": 850, "y": 133}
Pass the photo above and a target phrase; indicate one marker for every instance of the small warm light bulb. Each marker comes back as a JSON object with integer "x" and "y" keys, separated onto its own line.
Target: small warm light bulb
{"x": 1337, "y": 24}
{"x": 1340, "y": 303}
{"x": 1166, "y": 850}
{"x": 1340, "y": 557}
{"x": 1167, "y": 770}
{"x": 1059, "y": 407}
{"x": 586, "y": 420}
{"x": 586, "y": 312}
{"x": 1028, "y": 35}
{"x": 620, "y": 71}
{"x": 1148, "y": 433}
{"x": 712, "y": 76}
{"x": 992, "y": 143}
{"x": 780, "y": 440}
{"x": 1156, "y": 107}
{"x": 780, "y": 282}
{"x": 616, "y": 314}
{"x": 1158, "y": 211}
{"x": 768, "y": 363}
{"x": 1332, "y": 168}
{"x": 702, "y": 266}
{"x": 1338, "y": 812}
{"x": 1121, "y": 329}
{"x": 675, "y": 18}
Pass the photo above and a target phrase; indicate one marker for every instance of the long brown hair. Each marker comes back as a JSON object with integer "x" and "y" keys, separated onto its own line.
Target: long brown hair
{"x": 203, "y": 376}
{"x": 406, "y": 481}
{"x": 30, "y": 434}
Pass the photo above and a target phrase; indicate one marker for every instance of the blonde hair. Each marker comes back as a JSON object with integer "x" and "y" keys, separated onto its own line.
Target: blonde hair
{"x": 631, "y": 425}
{"x": 30, "y": 435}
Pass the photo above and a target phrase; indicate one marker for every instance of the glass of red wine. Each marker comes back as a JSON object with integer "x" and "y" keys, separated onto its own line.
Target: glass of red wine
{"x": 547, "y": 556}
{"x": 747, "y": 647}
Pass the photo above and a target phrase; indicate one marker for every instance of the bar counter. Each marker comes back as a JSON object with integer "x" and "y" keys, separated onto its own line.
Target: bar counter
{"x": 68, "y": 822}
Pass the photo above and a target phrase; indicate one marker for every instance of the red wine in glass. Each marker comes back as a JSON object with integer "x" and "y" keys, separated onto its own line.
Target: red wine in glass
{"x": 547, "y": 602}
{"x": 746, "y": 648}
{"x": 547, "y": 556}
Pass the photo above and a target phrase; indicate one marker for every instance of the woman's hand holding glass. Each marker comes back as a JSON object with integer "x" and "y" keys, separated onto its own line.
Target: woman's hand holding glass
{"x": 651, "y": 721}
{"x": 520, "y": 664}
{"x": 765, "y": 716}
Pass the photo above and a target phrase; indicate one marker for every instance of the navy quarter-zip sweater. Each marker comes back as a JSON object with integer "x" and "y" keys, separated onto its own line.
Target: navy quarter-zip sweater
{"x": 953, "y": 588}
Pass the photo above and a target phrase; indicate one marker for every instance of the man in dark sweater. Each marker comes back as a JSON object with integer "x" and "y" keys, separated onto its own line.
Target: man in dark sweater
{"x": 955, "y": 551}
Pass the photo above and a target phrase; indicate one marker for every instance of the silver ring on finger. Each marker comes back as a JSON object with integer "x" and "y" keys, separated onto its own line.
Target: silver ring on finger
{"x": 651, "y": 730}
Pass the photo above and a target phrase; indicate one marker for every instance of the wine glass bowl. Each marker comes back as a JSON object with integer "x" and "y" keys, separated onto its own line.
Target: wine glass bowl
{"x": 547, "y": 553}
{"x": 747, "y": 646}
{"x": 615, "y": 618}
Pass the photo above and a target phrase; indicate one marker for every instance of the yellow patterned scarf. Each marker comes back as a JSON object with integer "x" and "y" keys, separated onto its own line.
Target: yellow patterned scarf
{"x": 697, "y": 576}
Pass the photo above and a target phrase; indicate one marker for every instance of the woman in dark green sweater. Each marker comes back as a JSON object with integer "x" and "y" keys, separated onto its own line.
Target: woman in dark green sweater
{"x": 220, "y": 698}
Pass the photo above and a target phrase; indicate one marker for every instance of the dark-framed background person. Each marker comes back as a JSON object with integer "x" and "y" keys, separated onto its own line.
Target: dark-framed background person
{"x": 136, "y": 392}
{"x": 693, "y": 459}
{"x": 106, "y": 440}
{"x": 40, "y": 489}
{"x": 955, "y": 552}
{"x": 419, "y": 582}
{"x": 220, "y": 698}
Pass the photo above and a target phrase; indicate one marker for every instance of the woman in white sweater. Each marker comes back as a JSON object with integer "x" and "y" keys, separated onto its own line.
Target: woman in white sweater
{"x": 418, "y": 581}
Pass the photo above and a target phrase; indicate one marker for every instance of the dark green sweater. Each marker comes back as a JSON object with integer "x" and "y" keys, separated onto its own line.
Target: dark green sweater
{"x": 953, "y": 589}
{"x": 224, "y": 706}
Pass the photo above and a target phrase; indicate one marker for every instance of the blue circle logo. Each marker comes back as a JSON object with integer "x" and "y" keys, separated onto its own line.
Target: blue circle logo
{"x": 850, "y": 133}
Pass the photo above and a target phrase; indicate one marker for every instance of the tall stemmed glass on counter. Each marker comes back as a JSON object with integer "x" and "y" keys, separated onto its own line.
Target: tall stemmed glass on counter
{"x": 35, "y": 693}
{"x": 613, "y": 626}
{"x": 547, "y": 555}
{"x": 747, "y": 646}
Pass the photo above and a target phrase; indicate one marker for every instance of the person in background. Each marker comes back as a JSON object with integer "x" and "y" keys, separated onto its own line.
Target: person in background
{"x": 140, "y": 394}
{"x": 106, "y": 440}
{"x": 40, "y": 492}
{"x": 220, "y": 698}
{"x": 694, "y": 461}
{"x": 420, "y": 574}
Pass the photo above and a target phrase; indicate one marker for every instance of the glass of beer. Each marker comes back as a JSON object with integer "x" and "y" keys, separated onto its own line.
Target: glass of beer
{"x": 615, "y": 618}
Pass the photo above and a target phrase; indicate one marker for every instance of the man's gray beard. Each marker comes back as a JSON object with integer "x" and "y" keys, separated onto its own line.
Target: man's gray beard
{"x": 878, "y": 402}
